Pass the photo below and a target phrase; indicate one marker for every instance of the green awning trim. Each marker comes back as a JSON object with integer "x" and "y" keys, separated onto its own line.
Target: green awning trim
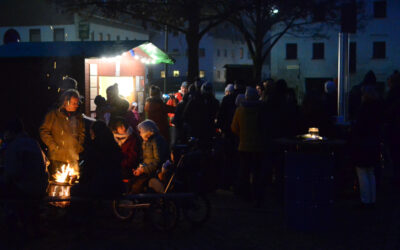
{"x": 155, "y": 53}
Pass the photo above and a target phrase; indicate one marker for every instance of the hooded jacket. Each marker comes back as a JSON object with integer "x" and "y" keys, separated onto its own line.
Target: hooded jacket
{"x": 248, "y": 125}
{"x": 63, "y": 134}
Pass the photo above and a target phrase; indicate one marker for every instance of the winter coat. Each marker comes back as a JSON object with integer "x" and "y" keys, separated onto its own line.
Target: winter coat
{"x": 225, "y": 114}
{"x": 156, "y": 110}
{"x": 199, "y": 114}
{"x": 366, "y": 135}
{"x": 100, "y": 175}
{"x": 130, "y": 152}
{"x": 24, "y": 166}
{"x": 248, "y": 125}
{"x": 63, "y": 134}
{"x": 155, "y": 151}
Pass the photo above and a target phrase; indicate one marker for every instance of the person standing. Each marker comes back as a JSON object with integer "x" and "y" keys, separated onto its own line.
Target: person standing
{"x": 117, "y": 105}
{"x": 366, "y": 140}
{"x": 156, "y": 110}
{"x": 63, "y": 132}
{"x": 247, "y": 124}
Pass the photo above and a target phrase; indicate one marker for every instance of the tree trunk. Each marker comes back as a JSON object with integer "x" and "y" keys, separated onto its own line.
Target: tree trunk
{"x": 193, "y": 41}
{"x": 257, "y": 70}
{"x": 258, "y": 63}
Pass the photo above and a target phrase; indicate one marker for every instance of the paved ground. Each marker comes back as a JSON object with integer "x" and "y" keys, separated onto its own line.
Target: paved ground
{"x": 235, "y": 224}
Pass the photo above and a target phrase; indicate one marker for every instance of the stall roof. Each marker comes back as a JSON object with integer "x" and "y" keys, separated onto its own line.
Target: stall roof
{"x": 92, "y": 49}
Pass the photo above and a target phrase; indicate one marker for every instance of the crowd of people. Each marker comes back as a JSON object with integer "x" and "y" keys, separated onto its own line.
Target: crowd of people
{"x": 120, "y": 152}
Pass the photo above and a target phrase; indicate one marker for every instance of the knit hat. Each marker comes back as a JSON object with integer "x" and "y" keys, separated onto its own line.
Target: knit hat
{"x": 251, "y": 94}
{"x": 207, "y": 87}
{"x": 230, "y": 88}
{"x": 184, "y": 84}
{"x": 239, "y": 99}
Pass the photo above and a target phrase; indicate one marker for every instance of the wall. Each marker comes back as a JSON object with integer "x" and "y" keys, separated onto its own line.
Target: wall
{"x": 296, "y": 71}
{"x": 72, "y": 32}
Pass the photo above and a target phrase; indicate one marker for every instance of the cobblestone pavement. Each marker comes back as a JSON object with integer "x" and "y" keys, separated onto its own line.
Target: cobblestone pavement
{"x": 235, "y": 224}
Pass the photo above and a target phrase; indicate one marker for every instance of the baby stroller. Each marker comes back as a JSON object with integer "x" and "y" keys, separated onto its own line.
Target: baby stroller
{"x": 181, "y": 193}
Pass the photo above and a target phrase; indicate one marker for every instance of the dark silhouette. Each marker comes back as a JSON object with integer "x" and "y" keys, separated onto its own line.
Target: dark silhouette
{"x": 366, "y": 138}
{"x": 157, "y": 111}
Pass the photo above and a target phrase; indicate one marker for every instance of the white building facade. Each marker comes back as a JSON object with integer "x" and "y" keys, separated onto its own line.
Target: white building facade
{"x": 37, "y": 21}
{"x": 216, "y": 50}
{"x": 307, "y": 63}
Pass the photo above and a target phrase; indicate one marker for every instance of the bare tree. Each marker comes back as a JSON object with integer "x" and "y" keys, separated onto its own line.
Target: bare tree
{"x": 263, "y": 22}
{"x": 193, "y": 18}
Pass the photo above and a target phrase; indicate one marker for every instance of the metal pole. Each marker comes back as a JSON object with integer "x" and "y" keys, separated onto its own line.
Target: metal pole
{"x": 166, "y": 65}
{"x": 343, "y": 77}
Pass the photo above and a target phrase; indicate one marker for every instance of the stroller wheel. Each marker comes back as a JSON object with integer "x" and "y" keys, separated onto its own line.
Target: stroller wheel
{"x": 197, "y": 209}
{"x": 123, "y": 209}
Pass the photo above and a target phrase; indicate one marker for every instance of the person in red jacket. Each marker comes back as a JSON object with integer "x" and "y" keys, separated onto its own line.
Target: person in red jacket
{"x": 129, "y": 144}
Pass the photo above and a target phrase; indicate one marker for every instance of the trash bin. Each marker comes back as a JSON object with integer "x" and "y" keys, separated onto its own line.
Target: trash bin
{"x": 308, "y": 190}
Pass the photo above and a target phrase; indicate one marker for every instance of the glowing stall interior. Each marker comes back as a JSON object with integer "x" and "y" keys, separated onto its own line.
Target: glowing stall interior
{"x": 128, "y": 69}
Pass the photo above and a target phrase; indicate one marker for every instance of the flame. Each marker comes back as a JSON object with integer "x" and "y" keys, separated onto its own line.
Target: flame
{"x": 62, "y": 175}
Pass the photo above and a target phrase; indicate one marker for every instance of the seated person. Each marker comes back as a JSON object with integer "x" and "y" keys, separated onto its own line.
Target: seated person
{"x": 154, "y": 150}
{"x": 129, "y": 144}
{"x": 100, "y": 175}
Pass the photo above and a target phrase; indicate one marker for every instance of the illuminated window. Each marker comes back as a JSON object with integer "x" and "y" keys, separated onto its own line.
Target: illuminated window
{"x": 202, "y": 74}
{"x": 176, "y": 73}
{"x": 162, "y": 73}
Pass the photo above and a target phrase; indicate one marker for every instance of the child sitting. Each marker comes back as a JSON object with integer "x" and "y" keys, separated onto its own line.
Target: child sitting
{"x": 129, "y": 144}
{"x": 154, "y": 151}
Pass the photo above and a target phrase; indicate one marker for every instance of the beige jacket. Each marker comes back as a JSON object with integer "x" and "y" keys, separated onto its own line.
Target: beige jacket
{"x": 63, "y": 135}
